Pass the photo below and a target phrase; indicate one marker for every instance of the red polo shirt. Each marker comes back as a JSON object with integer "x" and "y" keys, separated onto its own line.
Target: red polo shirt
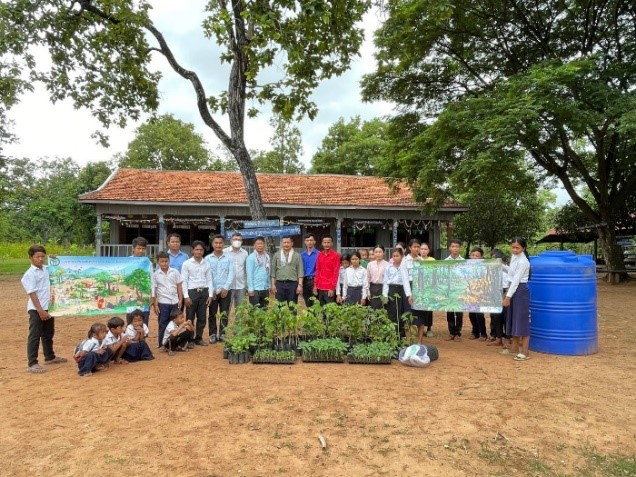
{"x": 327, "y": 270}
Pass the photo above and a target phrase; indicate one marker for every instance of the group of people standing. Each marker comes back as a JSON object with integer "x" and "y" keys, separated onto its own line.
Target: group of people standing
{"x": 206, "y": 287}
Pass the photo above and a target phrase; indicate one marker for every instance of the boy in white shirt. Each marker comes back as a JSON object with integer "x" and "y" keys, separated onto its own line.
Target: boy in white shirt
{"x": 116, "y": 340}
{"x": 178, "y": 333}
{"x": 41, "y": 324}
{"x": 167, "y": 292}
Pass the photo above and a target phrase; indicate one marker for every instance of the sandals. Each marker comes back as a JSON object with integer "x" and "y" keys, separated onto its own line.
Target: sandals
{"x": 36, "y": 369}
{"x": 504, "y": 351}
{"x": 56, "y": 360}
{"x": 521, "y": 357}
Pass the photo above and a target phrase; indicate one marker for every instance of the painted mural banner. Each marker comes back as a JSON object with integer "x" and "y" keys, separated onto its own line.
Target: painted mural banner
{"x": 265, "y": 232}
{"x": 84, "y": 286}
{"x": 458, "y": 285}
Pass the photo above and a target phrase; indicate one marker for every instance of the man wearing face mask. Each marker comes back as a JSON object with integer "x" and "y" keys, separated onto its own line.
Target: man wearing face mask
{"x": 239, "y": 257}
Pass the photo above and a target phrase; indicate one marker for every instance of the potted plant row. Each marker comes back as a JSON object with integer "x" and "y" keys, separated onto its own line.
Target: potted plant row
{"x": 371, "y": 353}
{"x": 270, "y": 356}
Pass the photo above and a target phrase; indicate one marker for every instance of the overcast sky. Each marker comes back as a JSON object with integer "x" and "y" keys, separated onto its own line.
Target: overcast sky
{"x": 47, "y": 130}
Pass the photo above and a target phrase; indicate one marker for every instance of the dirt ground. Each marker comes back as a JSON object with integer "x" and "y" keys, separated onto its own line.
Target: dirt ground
{"x": 473, "y": 412}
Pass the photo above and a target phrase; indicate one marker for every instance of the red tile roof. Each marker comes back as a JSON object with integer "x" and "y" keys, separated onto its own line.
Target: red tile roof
{"x": 132, "y": 185}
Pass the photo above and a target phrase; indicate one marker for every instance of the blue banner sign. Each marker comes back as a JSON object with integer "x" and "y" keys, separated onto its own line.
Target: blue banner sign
{"x": 254, "y": 224}
{"x": 265, "y": 232}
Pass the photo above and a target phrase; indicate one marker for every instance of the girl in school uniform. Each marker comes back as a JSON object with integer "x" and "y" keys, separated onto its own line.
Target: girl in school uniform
{"x": 90, "y": 354}
{"x": 375, "y": 277}
{"x": 428, "y": 315}
{"x": 517, "y": 299}
{"x": 418, "y": 315}
{"x": 355, "y": 287}
{"x": 137, "y": 332}
{"x": 345, "y": 262}
{"x": 396, "y": 290}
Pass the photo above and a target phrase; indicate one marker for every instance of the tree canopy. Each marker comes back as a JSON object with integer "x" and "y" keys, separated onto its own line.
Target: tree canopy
{"x": 166, "y": 143}
{"x": 39, "y": 200}
{"x": 100, "y": 55}
{"x": 352, "y": 148}
{"x": 287, "y": 149}
{"x": 498, "y": 86}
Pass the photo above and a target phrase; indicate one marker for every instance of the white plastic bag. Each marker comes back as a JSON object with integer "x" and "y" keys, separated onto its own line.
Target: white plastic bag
{"x": 414, "y": 355}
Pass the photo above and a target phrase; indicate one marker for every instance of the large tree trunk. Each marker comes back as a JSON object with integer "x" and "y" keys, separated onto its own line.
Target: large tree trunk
{"x": 612, "y": 253}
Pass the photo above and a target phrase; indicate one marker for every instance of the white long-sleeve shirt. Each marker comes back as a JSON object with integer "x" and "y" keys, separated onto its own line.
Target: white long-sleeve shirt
{"x": 518, "y": 272}
{"x": 196, "y": 275}
{"x": 356, "y": 277}
{"x": 396, "y": 276}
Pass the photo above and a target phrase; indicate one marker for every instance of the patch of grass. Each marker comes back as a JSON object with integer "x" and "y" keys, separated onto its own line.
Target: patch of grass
{"x": 273, "y": 400}
{"x": 492, "y": 456}
{"x": 19, "y": 249}
{"x": 109, "y": 459}
{"x": 539, "y": 468}
{"x": 14, "y": 266}
{"x": 612, "y": 465}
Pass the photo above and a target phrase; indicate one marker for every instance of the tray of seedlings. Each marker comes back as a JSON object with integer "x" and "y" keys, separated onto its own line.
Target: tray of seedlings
{"x": 271, "y": 356}
{"x": 371, "y": 353}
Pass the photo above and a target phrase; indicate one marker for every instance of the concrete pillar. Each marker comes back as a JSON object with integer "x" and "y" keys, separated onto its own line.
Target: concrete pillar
{"x": 338, "y": 235}
{"x": 162, "y": 233}
{"x": 98, "y": 236}
{"x": 222, "y": 223}
{"x": 394, "y": 237}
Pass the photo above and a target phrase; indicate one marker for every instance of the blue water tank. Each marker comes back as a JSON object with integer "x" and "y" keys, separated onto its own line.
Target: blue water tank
{"x": 563, "y": 304}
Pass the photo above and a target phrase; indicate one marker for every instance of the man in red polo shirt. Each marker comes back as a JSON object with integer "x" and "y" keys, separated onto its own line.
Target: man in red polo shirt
{"x": 327, "y": 270}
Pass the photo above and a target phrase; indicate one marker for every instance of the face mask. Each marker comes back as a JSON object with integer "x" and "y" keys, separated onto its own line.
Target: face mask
{"x": 236, "y": 243}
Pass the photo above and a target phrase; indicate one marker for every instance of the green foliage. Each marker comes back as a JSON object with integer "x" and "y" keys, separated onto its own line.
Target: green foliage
{"x": 287, "y": 150}
{"x": 352, "y": 148}
{"x": 100, "y": 55}
{"x": 494, "y": 217}
{"x": 324, "y": 349}
{"x": 11, "y": 266}
{"x": 39, "y": 200}
{"x": 373, "y": 352}
{"x": 167, "y": 143}
{"x": 481, "y": 103}
{"x": 273, "y": 356}
{"x": 18, "y": 250}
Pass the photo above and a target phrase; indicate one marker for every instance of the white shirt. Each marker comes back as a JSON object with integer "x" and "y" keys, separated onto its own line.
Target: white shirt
{"x": 518, "y": 272}
{"x": 450, "y": 257}
{"x": 111, "y": 339}
{"x": 37, "y": 280}
{"x": 238, "y": 257}
{"x": 396, "y": 276}
{"x": 408, "y": 261}
{"x": 131, "y": 332}
{"x": 356, "y": 277}
{"x": 196, "y": 275}
{"x": 169, "y": 329}
{"x": 91, "y": 344}
{"x": 164, "y": 286}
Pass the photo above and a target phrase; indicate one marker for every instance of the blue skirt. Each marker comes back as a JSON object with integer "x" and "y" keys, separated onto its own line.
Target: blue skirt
{"x": 519, "y": 311}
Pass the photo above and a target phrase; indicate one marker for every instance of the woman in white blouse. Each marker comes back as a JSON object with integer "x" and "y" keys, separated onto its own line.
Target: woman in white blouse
{"x": 396, "y": 290}
{"x": 375, "y": 277}
{"x": 517, "y": 299}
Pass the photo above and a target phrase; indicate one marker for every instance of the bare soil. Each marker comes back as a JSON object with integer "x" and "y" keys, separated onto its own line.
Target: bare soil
{"x": 473, "y": 412}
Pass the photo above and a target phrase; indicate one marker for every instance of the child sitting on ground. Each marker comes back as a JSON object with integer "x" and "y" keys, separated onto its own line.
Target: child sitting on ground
{"x": 137, "y": 331}
{"x": 90, "y": 354}
{"x": 116, "y": 340}
{"x": 178, "y": 333}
